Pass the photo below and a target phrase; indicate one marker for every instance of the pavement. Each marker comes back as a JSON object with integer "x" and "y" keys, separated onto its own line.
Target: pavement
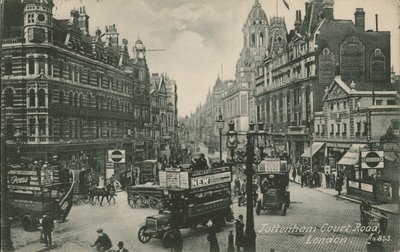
{"x": 320, "y": 215}
{"x": 389, "y": 208}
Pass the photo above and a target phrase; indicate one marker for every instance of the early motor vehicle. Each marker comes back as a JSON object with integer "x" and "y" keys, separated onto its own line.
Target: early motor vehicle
{"x": 190, "y": 198}
{"x": 273, "y": 191}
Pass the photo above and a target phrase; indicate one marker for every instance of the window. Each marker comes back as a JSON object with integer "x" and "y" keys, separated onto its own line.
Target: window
{"x": 61, "y": 66}
{"x": 32, "y": 98}
{"x": 332, "y": 129}
{"x": 358, "y": 128}
{"x": 338, "y": 128}
{"x": 76, "y": 100}
{"x": 71, "y": 99}
{"x": 344, "y": 129}
{"x": 378, "y": 102}
{"x": 89, "y": 103}
{"x": 391, "y": 102}
{"x": 365, "y": 128}
{"x": 51, "y": 126}
{"x": 9, "y": 67}
{"x": 318, "y": 128}
{"x": 69, "y": 72}
{"x": 344, "y": 105}
{"x": 61, "y": 97}
{"x": 42, "y": 66}
{"x": 31, "y": 66}
{"x": 50, "y": 66}
{"x": 9, "y": 97}
{"x": 42, "y": 98}
{"x": 42, "y": 126}
{"x": 331, "y": 106}
{"x": 32, "y": 126}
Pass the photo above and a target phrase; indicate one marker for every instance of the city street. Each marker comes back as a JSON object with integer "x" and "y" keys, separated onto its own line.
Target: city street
{"x": 121, "y": 222}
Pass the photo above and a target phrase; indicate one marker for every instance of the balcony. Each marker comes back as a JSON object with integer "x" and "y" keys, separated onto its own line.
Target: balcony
{"x": 297, "y": 130}
{"x": 66, "y": 110}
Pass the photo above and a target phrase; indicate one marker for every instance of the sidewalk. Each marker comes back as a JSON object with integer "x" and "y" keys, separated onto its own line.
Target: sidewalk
{"x": 390, "y": 208}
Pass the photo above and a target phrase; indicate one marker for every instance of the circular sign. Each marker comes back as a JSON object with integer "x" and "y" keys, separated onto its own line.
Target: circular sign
{"x": 372, "y": 159}
{"x": 116, "y": 156}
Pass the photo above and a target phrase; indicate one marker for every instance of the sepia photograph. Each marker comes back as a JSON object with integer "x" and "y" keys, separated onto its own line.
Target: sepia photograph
{"x": 200, "y": 125}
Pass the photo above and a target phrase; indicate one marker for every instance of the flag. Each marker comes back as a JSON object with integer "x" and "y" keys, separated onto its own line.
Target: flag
{"x": 286, "y": 4}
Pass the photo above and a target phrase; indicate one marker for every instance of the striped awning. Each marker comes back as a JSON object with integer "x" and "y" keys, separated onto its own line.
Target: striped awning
{"x": 315, "y": 148}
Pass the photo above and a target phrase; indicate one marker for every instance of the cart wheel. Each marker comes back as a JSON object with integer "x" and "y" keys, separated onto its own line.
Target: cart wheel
{"x": 284, "y": 208}
{"x": 258, "y": 208}
{"x": 168, "y": 238}
{"x": 27, "y": 223}
{"x": 155, "y": 203}
{"x": 143, "y": 238}
{"x": 132, "y": 201}
{"x": 85, "y": 198}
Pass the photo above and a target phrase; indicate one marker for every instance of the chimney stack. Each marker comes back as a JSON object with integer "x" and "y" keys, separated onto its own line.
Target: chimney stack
{"x": 376, "y": 21}
{"x": 359, "y": 19}
{"x": 298, "y": 22}
{"x": 328, "y": 9}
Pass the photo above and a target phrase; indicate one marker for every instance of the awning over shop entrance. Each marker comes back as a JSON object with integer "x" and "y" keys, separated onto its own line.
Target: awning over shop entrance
{"x": 352, "y": 155}
{"x": 315, "y": 147}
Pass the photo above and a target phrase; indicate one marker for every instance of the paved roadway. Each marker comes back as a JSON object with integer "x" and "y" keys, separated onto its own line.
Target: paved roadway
{"x": 309, "y": 209}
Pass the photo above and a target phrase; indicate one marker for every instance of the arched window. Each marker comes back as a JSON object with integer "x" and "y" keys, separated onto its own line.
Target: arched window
{"x": 42, "y": 98}
{"x": 76, "y": 102}
{"x": 71, "y": 99}
{"x": 9, "y": 97}
{"x": 98, "y": 102}
{"x": 61, "y": 97}
{"x": 253, "y": 39}
{"x": 261, "y": 38}
{"x": 81, "y": 101}
{"x": 89, "y": 99}
{"x": 32, "y": 98}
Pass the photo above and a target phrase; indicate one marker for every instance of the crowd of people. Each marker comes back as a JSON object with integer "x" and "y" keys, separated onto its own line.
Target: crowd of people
{"x": 314, "y": 179}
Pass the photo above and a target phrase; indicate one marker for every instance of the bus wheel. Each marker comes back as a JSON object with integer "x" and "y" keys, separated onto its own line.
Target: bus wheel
{"x": 27, "y": 223}
{"x": 168, "y": 238}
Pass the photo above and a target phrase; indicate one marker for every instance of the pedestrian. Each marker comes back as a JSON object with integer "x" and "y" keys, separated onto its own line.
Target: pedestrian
{"x": 239, "y": 233}
{"x": 294, "y": 174}
{"x": 47, "y": 229}
{"x": 339, "y": 183}
{"x": 302, "y": 178}
{"x": 333, "y": 180}
{"x": 102, "y": 242}
{"x": 212, "y": 237}
{"x": 121, "y": 247}
{"x": 178, "y": 241}
{"x": 327, "y": 179}
{"x": 237, "y": 187}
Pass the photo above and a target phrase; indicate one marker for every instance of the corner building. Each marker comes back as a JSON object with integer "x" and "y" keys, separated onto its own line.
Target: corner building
{"x": 301, "y": 63}
{"x": 68, "y": 93}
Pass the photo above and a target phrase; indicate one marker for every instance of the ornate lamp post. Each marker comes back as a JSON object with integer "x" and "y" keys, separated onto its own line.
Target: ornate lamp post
{"x": 231, "y": 139}
{"x": 220, "y": 126}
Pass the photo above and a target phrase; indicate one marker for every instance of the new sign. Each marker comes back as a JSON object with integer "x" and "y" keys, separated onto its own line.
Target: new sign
{"x": 372, "y": 159}
{"x": 210, "y": 179}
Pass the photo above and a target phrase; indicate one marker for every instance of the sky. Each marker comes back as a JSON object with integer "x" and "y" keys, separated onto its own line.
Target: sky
{"x": 203, "y": 38}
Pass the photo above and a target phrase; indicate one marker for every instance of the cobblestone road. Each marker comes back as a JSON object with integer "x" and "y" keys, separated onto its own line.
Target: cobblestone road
{"x": 309, "y": 209}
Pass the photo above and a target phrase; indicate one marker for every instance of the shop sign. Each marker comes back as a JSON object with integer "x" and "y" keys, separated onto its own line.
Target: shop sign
{"x": 173, "y": 179}
{"x": 46, "y": 177}
{"x": 116, "y": 156}
{"x": 372, "y": 159}
{"x": 366, "y": 187}
{"x": 210, "y": 179}
{"x": 353, "y": 184}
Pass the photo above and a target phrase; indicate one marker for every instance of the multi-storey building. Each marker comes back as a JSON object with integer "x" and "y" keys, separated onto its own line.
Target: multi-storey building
{"x": 302, "y": 63}
{"x": 68, "y": 93}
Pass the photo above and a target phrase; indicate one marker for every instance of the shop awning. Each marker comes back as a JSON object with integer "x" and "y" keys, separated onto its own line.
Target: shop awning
{"x": 352, "y": 155}
{"x": 315, "y": 147}
{"x": 350, "y": 158}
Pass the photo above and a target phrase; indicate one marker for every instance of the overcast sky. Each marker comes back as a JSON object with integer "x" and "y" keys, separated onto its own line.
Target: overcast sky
{"x": 201, "y": 35}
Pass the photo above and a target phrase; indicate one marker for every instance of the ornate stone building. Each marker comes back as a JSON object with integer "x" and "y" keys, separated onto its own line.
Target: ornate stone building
{"x": 68, "y": 93}
{"x": 302, "y": 63}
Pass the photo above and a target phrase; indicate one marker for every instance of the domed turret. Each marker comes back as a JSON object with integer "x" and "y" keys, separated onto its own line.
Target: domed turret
{"x": 38, "y": 21}
{"x": 140, "y": 50}
{"x": 257, "y": 13}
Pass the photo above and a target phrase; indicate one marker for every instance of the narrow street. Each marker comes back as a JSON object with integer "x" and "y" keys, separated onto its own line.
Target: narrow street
{"x": 121, "y": 222}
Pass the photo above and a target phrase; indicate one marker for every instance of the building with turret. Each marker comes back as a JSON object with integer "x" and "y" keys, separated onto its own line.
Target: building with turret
{"x": 68, "y": 93}
{"x": 302, "y": 63}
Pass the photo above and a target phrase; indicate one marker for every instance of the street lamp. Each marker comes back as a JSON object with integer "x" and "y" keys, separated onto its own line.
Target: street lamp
{"x": 231, "y": 139}
{"x": 220, "y": 126}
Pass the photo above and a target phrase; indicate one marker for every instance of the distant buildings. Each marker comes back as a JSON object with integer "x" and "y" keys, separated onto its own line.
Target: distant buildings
{"x": 68, "y": 93}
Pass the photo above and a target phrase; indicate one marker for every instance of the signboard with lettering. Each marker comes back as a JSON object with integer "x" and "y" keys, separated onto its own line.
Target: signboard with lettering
{"x": 210, "y": 179}
{"x": 184, "y": 180}
{"x": 366, "y": 187}
{"x": 46, "y": 177}
{"x": 353, "y": 184}
{"x": 272, "y": 165}
{"x": 162, "y": 176}
{"x": 326, "y": 67}
{"x": 372, "y": 159}
{"x": 23, "y": 180}
{"x": 173, "y": 179}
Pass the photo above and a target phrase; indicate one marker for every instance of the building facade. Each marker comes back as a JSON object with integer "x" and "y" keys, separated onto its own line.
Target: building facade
{"x": 71, "y": 94}
{"x": 302, "y": 63}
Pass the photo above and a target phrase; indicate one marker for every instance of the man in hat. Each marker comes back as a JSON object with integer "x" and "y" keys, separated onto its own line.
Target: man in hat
{"x": 103, "y": 242}
{"x": 121, "y": 247}
{"x": 239, "y": 233}
{"x": 47, "y": 228}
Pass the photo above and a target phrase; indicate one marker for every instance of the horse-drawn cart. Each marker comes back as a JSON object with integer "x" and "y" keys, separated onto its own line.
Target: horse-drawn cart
{"x": 147, "y": 195}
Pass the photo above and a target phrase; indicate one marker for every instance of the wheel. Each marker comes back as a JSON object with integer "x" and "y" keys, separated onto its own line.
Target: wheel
{"x": 85, "y": 198}
{"x": 132, "y": 201}
{"x": 258, "y": 208}
{"x": 284, "y": 207}
{"x": 143, "y": 238}
{"x": 27, "y": 223}
{"x": 155, "y": 203}
{"x": 168, "y": 238}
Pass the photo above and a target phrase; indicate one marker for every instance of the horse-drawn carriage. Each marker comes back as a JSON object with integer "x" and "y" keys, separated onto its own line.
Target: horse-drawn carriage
{"x": 147, "y": 195}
